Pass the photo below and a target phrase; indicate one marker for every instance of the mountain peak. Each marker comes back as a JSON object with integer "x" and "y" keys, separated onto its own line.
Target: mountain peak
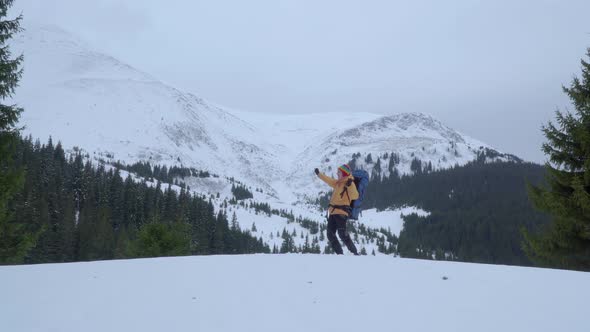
{"x": 405, "y": 120}
{"x": 404, "y": 125}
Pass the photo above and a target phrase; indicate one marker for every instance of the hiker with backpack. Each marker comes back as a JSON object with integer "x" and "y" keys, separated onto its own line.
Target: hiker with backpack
{"x": 344, "y": 193}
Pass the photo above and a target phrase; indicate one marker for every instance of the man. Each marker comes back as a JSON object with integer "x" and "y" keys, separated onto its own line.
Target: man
{"x": 344, "y": 192}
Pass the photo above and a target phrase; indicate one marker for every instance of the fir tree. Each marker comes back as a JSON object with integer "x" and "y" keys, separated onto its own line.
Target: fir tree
{"x": 234, "y": 223}
{"x": 157, "y": 239}
{"x": 416, "y": 166}
{"x": 376, "y": 173}
{"x": 122, "y": 246}
{"x": 15, "y": 241}
{"x": 10, "y": 70}
{"x": 566, "y": 242}
{"x": 288, "y": 244}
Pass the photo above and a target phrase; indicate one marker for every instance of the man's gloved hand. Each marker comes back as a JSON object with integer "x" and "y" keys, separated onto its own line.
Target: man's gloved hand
{"x": 348, "y": 182}
{"x": 317, "y": 171}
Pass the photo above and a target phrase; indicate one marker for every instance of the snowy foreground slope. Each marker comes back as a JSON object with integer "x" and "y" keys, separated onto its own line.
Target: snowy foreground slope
{"x": 290, "y": 293}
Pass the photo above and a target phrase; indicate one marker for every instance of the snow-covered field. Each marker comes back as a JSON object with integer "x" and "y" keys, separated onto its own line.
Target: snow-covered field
{"x": 291, "y": 292}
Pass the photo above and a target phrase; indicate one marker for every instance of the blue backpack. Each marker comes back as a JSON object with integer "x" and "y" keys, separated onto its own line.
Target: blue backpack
{"x": 361, "y": 181}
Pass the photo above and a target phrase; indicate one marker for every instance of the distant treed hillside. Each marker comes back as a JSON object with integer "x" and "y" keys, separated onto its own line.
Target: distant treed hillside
{"x": 83, "y": 212}
{"x": 477, "y": 211}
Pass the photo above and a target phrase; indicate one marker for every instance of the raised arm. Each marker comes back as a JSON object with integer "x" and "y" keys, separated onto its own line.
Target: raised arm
{"x": 330, "y": 181}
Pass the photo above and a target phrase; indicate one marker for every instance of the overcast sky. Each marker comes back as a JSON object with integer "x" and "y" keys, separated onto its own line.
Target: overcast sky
{"x": 490, "y": 69}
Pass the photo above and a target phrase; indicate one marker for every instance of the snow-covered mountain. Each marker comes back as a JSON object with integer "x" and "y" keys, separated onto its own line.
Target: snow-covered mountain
{"x": 114, "y": 112}
{"x": 290, "y": 293}
{"x": 91, "y": 100}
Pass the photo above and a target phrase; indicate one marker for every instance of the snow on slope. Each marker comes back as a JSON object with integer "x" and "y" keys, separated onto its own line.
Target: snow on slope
{"x": 391, "y": 220}
{"x": 290, "y": 293}
{"x": 93, "y": 101}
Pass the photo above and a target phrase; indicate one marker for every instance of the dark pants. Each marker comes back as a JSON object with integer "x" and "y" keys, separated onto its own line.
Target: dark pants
{"x": 338, "y": 223}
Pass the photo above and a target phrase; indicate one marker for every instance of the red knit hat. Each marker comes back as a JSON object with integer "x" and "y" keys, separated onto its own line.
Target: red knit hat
{"x": 345, "y": 169}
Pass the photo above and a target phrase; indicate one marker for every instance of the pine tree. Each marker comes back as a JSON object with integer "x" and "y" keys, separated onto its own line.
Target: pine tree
{"x": 157, "y": 239}
{"x": 376, "y": 173}
{"x": 234, "y": 223}
{"x": 288, "y": 244}
{"x": 104, "y": 237}
{"x": 67, "y": 227}
{"x": 10, "y": 71}
{"x": 566, "y": 242}
{"x": 15, "y": 241}
{"x": 122, "y": 246}
{"x": 217, "y": 229}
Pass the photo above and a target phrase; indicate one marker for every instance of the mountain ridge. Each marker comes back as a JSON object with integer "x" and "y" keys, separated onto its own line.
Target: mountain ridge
{"x": 105, "y": 106}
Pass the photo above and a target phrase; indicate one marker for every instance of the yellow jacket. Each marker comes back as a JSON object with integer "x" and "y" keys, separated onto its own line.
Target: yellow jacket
{"x": 342, "y": 195}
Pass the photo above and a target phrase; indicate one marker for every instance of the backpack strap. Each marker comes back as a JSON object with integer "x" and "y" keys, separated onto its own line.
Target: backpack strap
{"x": 345, "y": 190}
{"x": 345, "y": 208}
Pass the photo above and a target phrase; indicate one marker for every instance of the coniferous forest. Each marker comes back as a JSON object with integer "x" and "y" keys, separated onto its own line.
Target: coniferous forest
{"x": 477, "y": 211}
{"x": 76, "y": 212}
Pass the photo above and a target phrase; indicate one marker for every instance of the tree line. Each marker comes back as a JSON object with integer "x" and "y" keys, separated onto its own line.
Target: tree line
{"x": 76, "y": 212}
